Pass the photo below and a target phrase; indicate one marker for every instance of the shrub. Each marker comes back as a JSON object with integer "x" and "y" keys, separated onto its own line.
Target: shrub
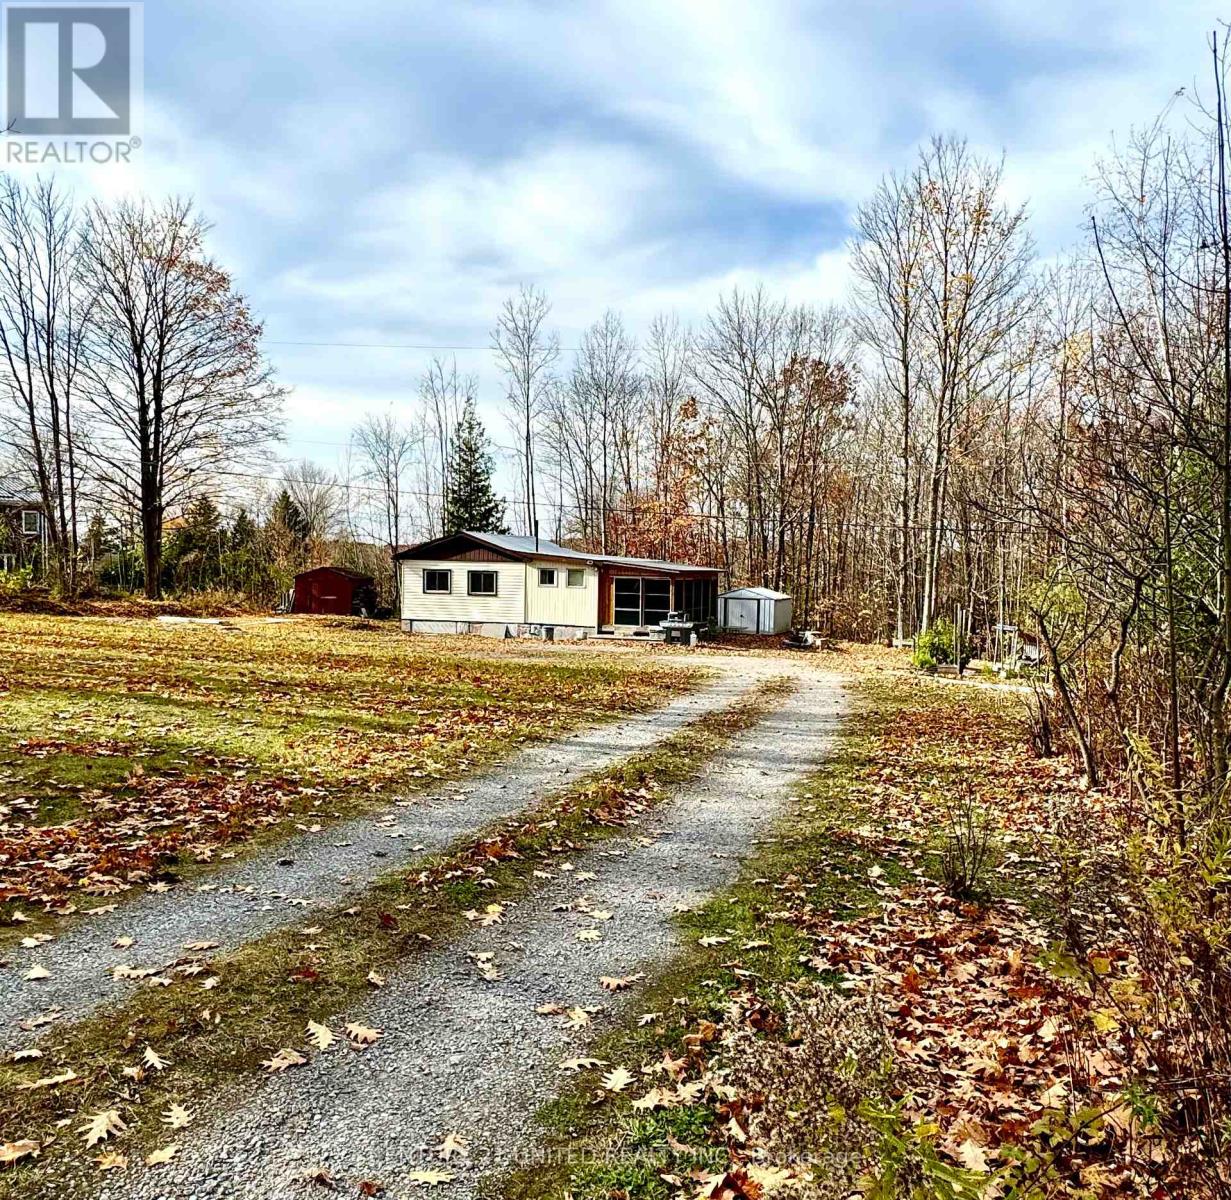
{"x": 971, "y": 846}
{"x": 936, "y": 646}
{"x": 13, "y": 583}
{"x": 809, "y": 1089}
{"x": 1039, "y": 720}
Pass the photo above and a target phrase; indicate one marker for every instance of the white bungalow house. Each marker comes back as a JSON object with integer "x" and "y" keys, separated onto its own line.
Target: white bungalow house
{"x": 508, "y": 586}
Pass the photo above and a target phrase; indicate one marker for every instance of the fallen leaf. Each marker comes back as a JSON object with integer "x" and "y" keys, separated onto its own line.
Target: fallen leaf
{"x": 454, "y": 1144}
{"x": 582, "y": 1064}
{"x": 617, "y": 1080}
{"x": 430, "y": 1177}
{"x": 153, "y": 1060}
{"x": 362, "y": 1035}
{"x": 48, "y": 1081}
{"x": 102, "y": 1125}
{"x": 321, "y": 1036}
{"x": 112, "y": 1160}
{"x": 162, "y": 1155}
{"x": 654, "y": 1098}
{"x": 972, "y": 1156}
{"x": 11, "y": 1152}
{"x": 177, "y": 1116}
{"x": 286, "y": 1057}
{"x": 37, "y": 972}
{"x": 615, "y": 983}
{"x": 576, "y": 1018}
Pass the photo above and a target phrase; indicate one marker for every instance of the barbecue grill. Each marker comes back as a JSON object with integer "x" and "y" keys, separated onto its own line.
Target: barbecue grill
{"x": 678, "y": 627}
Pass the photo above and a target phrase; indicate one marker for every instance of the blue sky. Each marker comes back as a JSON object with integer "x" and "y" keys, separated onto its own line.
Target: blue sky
{"x": 388, "y": 172}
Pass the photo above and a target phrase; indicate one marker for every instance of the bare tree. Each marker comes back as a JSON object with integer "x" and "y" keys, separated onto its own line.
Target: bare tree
{"x": 443, "y": 394}
{"x": 386, "y": 450}
{"x": 526, "y": 351}
{"x": 887, "y": 261}
{"x": 176, "y": 376}
{"x": 669, "y": 414}
{"x": 977, "y": 255}
{"x": 45, "y": 305}
{"x": 318, "y": 495}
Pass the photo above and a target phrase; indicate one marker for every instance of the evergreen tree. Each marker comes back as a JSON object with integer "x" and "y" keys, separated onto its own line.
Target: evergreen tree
{"x": 470, "y": 501}
{"x": 286, "y": 535}
{"x": 99, "y": 539}
{"x": 243, "y": 532}
{"x": 193, "y": 555}
{"x": 289, "y": 517}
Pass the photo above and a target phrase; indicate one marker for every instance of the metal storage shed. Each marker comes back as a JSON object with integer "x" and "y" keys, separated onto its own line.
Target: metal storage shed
{"x": 334, "y": 590}
{"x": 755, "y": 610}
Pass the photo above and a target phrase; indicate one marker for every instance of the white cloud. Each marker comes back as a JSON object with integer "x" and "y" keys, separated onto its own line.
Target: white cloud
{"x": 413, "y": 165}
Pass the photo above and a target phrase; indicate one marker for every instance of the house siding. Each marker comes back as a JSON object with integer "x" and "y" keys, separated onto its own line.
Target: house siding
{"x": 508, "y": 605}
{"x": 561, "y": 605}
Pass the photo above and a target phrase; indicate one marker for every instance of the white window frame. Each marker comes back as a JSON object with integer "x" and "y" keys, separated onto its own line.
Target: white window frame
{"x": 555, "y": 577}
{"x": 26, "y": 523}
{"x": 580, "y": 572}
{"x": 447, "y": 590}
{"x": 470, "y": 583}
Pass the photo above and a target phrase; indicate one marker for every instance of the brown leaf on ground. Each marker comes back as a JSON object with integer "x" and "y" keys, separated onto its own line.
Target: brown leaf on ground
{"x": 284, "y": 1058}
{"x": 11, "y": 1152}
{"x": 102, "y": 1125}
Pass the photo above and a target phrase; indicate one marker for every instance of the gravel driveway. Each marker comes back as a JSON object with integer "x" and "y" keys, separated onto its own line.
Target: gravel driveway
{"x": 310, "y": 871}
{"x": 466, "y": 1055}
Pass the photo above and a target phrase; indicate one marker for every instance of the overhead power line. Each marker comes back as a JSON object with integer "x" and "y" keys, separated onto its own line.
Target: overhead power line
{"x": 389, "y": 345}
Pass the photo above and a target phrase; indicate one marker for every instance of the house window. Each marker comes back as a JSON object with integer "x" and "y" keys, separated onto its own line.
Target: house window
{"x": 481, "y": 583}
{"x": 576, "y": 577}
{"x": 440, "y": 582}
{"x": 547, "y": 576}
{"x": 30, "y": 521}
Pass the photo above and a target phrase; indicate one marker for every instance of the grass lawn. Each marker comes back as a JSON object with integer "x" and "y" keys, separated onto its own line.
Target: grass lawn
{"x": 131, "y": 749}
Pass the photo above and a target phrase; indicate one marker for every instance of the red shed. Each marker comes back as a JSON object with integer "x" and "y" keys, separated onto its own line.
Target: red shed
{"x": 334, "y": 590}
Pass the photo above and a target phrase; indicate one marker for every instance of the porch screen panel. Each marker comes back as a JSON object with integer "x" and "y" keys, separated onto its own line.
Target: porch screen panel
{"x": 656, "y": 600}
{"x": 627, "y": 600}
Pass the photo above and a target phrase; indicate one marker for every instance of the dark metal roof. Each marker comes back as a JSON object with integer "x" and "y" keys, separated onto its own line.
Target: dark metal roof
{"x": 525, "y": 547}
{"x": 346, "y": 571}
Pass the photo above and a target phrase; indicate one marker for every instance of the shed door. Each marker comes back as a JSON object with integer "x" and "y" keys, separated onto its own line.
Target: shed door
{"x": 742, "y": 614}
{"x": 331, "y": 594}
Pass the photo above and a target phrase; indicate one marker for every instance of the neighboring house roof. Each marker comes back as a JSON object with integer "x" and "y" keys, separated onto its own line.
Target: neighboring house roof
{"x": 524, "y": 547}
{"x": 760, "y": 593}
